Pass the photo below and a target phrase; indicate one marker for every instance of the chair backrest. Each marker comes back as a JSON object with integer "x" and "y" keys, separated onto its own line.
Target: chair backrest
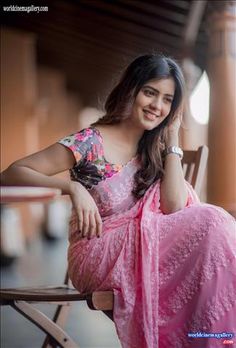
{"x": 194, "y": 166}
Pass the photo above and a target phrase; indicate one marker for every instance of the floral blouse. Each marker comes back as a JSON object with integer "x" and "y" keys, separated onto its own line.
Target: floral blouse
{"x": 91, "y": 166}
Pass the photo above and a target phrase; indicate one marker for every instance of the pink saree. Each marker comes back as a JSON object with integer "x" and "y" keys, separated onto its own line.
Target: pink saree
{"x": 173, "y": 275}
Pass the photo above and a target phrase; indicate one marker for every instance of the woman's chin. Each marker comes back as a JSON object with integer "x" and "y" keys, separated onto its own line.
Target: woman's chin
{"x": 150, "y": 126}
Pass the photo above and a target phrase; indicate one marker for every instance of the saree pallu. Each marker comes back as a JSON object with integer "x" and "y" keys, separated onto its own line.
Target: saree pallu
{"x": 172, "y": 275}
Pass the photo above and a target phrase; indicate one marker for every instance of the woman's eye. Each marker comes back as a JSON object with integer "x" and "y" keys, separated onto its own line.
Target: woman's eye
{"x": 148, "y": 92}
{"x": 168, "y": 100}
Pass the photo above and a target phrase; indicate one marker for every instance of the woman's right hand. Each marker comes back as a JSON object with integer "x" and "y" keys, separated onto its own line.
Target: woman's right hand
{"x": 89, "y": 219}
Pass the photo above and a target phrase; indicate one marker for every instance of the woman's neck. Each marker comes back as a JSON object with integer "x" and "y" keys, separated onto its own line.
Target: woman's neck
{"x": 127, "y": 132}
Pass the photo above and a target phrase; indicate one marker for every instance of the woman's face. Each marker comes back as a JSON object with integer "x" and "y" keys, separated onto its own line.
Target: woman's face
{"x": 153, "y": 103}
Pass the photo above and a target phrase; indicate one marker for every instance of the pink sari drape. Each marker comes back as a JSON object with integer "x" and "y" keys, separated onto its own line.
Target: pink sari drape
{"x": 171, "y": 274}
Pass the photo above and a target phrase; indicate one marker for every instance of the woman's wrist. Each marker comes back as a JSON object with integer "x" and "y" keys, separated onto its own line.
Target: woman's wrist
{"x": 172, "y": 138}
{"x": 74, "y": 186}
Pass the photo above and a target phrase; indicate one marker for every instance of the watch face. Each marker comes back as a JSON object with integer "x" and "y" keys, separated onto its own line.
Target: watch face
{"x": 176, "y": 150}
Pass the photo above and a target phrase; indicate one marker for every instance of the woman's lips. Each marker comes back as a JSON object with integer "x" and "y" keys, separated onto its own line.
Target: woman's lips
{"x": 150, "y": 115}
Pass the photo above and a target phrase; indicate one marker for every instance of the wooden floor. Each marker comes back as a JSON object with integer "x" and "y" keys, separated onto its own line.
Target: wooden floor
{"x": 44, "y": 263}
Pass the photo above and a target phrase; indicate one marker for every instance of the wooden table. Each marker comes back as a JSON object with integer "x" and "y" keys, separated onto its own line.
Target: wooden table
{"x": 12, "y": 242}
{"x": 15, "y": 194}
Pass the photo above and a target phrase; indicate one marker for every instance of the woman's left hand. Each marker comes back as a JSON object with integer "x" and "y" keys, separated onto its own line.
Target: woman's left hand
{"x": 172, "y": 130}
{"x": 176, "y": 122}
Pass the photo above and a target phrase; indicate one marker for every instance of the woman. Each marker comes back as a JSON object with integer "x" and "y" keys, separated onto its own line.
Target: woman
{"x": 137, "y": 227}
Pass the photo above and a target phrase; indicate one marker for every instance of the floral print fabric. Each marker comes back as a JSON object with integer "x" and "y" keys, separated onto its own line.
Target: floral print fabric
{"x": 91, "y": 166}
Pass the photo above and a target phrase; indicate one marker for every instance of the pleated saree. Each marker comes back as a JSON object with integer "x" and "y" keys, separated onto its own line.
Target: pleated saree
{"x": 172, "y": 275}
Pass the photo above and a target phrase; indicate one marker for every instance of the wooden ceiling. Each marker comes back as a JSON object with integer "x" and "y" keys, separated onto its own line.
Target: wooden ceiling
{"x": 92, "y": 40}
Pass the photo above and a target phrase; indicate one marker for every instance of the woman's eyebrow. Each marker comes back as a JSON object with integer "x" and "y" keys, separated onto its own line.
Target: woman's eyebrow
{"x": 156, "y": 90}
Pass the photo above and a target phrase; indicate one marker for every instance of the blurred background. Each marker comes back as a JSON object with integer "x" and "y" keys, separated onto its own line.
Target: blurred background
{"x": 59, "y": 60}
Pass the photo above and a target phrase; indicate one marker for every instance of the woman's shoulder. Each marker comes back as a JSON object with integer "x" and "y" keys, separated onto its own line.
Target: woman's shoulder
{"x": 85, "y": 137}
{"x": 92, "y": 134}
{"x": 89, "y": 131}
{"x": 85, "y": 134}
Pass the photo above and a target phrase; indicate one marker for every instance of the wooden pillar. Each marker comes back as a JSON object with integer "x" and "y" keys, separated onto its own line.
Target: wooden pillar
{"x": 19, "y": 132}
{"x": 222, "y": 123}
{"x": 52, "y": 105}
{"x": 57, "y": 108}
{"x": 18, "y": 93}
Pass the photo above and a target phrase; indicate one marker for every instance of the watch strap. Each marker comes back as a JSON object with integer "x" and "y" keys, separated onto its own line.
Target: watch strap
{"x": 175, "y": 150}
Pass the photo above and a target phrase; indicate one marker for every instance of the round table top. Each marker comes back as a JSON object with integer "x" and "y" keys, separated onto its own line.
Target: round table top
{"x": 14, "y": 194}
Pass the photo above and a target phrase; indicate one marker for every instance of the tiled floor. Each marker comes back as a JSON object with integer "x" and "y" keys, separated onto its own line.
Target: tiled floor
{"x": 44, "y": 263}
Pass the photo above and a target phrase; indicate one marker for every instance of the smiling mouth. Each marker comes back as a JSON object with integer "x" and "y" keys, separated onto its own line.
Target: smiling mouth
{"x": 150, "y": 112}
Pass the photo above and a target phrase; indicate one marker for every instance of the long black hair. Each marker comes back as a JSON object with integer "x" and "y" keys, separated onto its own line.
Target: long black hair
{"x": 119, "y": 104}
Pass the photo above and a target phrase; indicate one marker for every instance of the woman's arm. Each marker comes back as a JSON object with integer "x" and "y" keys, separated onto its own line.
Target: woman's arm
{"x": 38, "y": 169}
{"x": 173, "y": 189}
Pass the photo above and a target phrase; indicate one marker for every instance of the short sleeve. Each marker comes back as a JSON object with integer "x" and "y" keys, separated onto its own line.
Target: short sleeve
{"x": 79, "y": 143}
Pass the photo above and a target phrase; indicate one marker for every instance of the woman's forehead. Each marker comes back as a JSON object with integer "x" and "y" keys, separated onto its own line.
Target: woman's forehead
{"x": 165, "y": 85}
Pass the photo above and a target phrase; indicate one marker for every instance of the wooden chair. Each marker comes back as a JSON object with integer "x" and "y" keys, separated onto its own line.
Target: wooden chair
{"x": 194, "y": 165}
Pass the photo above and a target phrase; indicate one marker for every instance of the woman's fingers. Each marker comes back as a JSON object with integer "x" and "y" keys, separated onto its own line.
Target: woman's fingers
{"x": 85, "y": 227}
{"x": 89, "y": 223}
{"x": 98, "y": 224}
{"x": 80, "y": 221}
{"x": 180, "y": 116}
{"x": 92, "y": 225}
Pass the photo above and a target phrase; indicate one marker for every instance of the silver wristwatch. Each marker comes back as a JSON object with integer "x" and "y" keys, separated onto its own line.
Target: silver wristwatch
{"x": 174, "y": 149}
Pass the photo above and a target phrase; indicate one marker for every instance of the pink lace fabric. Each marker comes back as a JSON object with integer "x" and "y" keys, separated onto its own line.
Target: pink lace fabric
{"x": 171, "y": 274}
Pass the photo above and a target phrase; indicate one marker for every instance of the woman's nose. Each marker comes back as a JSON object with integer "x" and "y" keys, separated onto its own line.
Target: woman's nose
{"x": 156, "y": 103}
